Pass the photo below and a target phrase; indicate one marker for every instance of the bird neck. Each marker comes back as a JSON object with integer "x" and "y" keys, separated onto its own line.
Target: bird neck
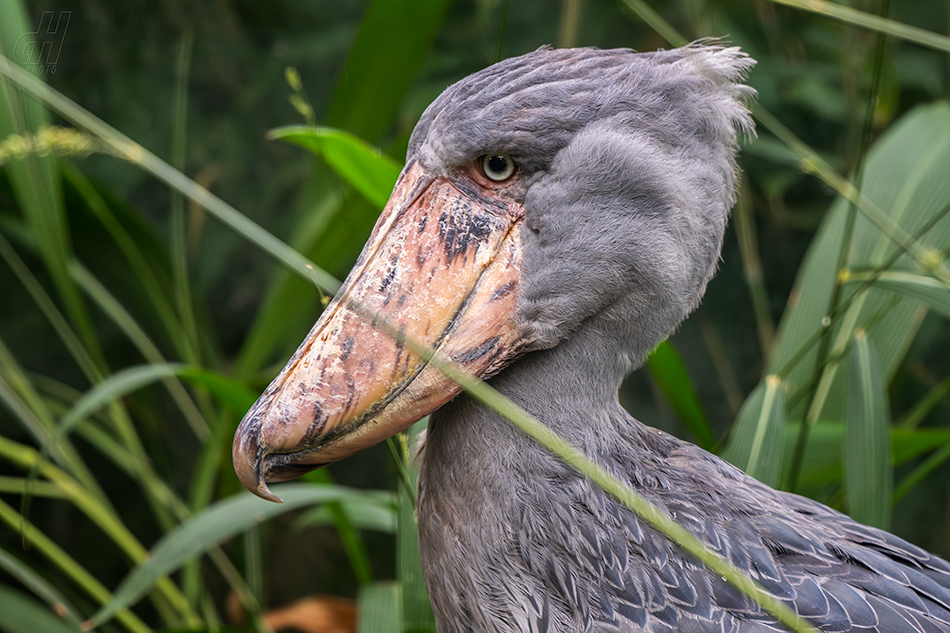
{"x": 572, "y": 388}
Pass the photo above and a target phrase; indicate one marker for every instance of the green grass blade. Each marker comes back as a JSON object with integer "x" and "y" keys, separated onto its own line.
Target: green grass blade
{"x": 417, "y": 614}
{"x": 756, "y": 442}
{"x": 744, "y": 223}
{"x": 208, "y": 529}
{"x": 914, "y": 167}
{"x": 670, "y": 374}
{"x": 908, "y": 444}
{"x": 912, "y": 418}
{"x": 929, "y": 465}
{"x": 131, "y": 459}
{"x": 598, "y": 475}
{"x": 24, "y": 486}
{"x": 656, "y": 22}
{"x": 40, "y": 587}
{"x": 68, "y": 565}
{"x": 290, "y": 305}
{"x": 226, "y": 390}
{"x": 393, "y": 39}
{"x": 134, "y": 153}
{"x": 131, "y": 463}
{"x": 377, "y": 513}
{"x": 149, "y": 271}
{"x": 872, "y": 22}
{"x": 928, "y": 290}
{"x": 905, "y": 173}
{"x": 350, "y": 536}
{"x": 49, "y": 309}
{"x": 188, "y": 341}
{"x": 34, "y": 421}
{"x": 352, "y": 542}
{"x": 33, "y": 412}
{"x": 171, "y": 603}
{"x": 115, "y": 386}
{"x": 379, "y": 608}
{"x": 364, "y": 167}
{"x": 143, "y": 342}
{"x": 22, "y": 614}
{"x": 823, "y": 453}
{"x": 35, "y": 178}
{"x": 869, "y": 476}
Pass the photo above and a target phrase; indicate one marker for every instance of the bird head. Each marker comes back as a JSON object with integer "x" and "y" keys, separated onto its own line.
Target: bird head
{"x": 541, "y": 193}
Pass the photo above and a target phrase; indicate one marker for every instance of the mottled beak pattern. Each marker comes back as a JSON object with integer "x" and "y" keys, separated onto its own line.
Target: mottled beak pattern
{"x": 441, "y": 268}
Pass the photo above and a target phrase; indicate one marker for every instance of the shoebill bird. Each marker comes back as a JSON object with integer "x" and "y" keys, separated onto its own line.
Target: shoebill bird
{"x": 559, "y": 214}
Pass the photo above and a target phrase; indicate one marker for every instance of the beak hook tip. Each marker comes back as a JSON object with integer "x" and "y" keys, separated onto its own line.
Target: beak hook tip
{"x": 265, "y": 493}
{"x": 249, "y": 456}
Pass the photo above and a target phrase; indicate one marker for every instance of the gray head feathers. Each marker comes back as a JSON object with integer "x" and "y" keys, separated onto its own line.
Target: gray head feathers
{"x": 531, "y": 106}
{"x": 628, "y": 163}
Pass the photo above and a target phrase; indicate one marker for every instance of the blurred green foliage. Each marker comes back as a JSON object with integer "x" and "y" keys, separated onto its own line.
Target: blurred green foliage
{"x": 135, "y": 327}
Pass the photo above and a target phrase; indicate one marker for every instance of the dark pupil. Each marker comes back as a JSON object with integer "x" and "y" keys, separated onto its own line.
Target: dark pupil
{"x": 497, "y": 164}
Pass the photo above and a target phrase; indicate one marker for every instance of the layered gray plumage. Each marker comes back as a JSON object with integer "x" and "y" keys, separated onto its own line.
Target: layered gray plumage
{"x": 628, "y": 177}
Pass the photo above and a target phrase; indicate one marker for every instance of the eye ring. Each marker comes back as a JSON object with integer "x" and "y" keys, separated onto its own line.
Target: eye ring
{"x": 497, "y": 167}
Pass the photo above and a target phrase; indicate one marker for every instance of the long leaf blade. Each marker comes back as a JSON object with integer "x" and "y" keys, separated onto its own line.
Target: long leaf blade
{"x": 365, "y": 514}
{"x": 365, "y": 168}
{"x": 40, "y": 586}
{"x": 115, "y": 386}
{"x": 124, "y": 147}
{"x": 22, "y": 614}
{"x": 869, "y": 477}
{"x": 872, "y": 22}
{"x": 924, "y": 288}
{"x": 393, "y": 39}
{"x": 670, "y": 374}
{"x": 757, "y": 440}
{"x": 379, "y": 608}
{"x": 905, "y": 173}
{"x": 216, "y": 524}
{"x": 416, "y": 608}
{"x": 35, "y": 178}
{"x": 823, "y": 453}
{"x": 227, "y": 390}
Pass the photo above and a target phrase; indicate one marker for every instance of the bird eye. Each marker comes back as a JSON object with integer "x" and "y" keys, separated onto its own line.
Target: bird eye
{"x": 497, "y": 167}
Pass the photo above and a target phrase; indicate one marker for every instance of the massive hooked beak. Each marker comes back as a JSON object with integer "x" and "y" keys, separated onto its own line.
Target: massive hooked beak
{"x": 442, "y": 268}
